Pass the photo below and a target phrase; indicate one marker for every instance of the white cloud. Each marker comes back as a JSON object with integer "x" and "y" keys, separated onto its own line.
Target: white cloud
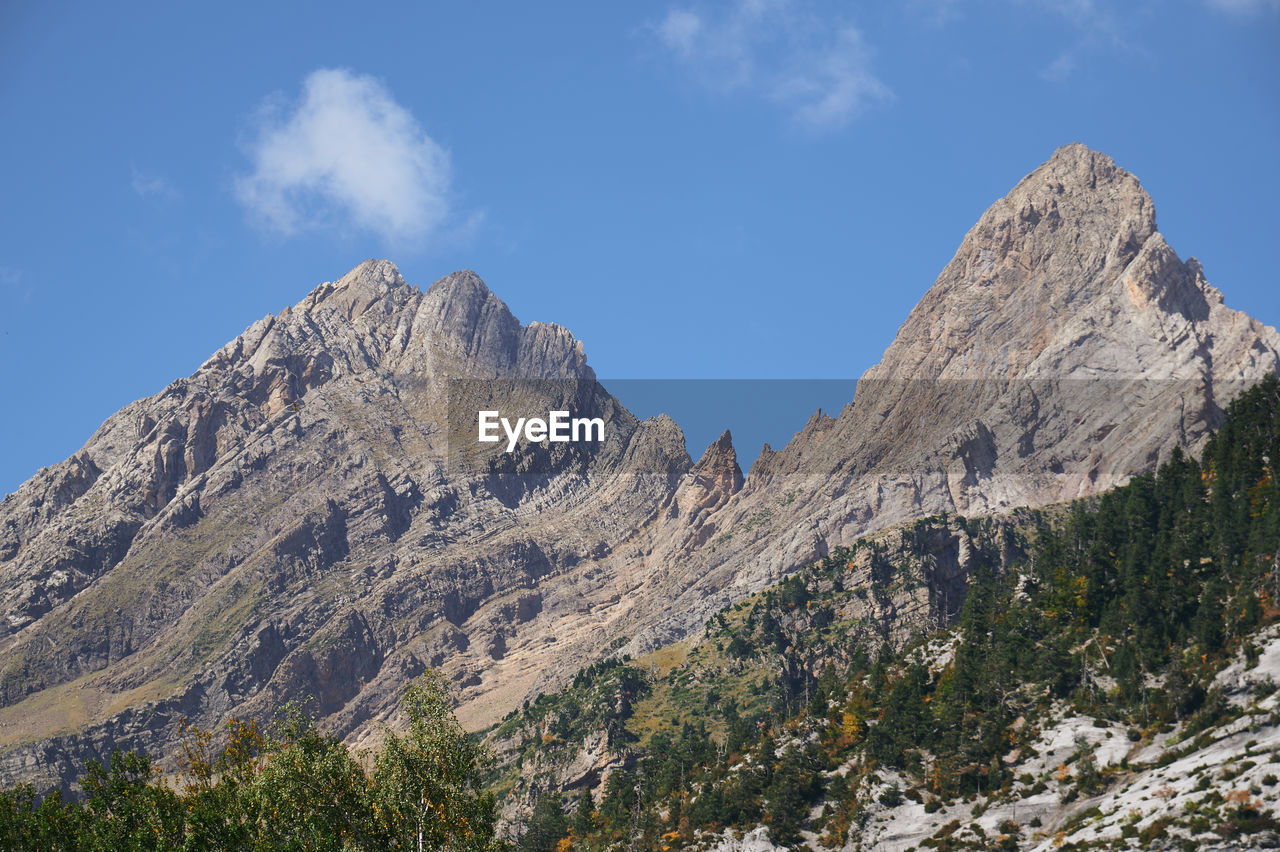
{"x": 1095, "y": 28}
{"x": 819, "y": 69}
{"x": 934, "y": 13}
{"x": 829, "y": 88}
{"x": 346, "y": 153}
{"x": 679, "y": 31}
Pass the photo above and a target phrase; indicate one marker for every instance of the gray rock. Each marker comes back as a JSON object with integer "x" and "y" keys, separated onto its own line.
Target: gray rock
{"x": 1063, "y": 349}
{"x": 294, "y": 520}
{"x": 304, "y": 515}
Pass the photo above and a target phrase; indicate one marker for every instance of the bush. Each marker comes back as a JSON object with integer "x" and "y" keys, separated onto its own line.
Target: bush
{"x": 891, "y": 797}
{"x": 295, "y": 788}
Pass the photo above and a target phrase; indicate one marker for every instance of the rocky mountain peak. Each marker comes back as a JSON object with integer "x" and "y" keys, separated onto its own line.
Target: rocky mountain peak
{"x": 1073, "y": 242}
{"x": 373, "y": 286}
{"x": 289, "y": 520}
{"x": 1063, "y": 349}
{"x": 718, "y": 468}
{"x": 1064, "y": 279}
{"x": 710, "y": 484}
{"x": 479, "y": 335}
{"x": 463, "y": 286}
{"x": 1087, "y": 187}
{"x": 1077, "y": 164}
{"x": 372, "y": 278}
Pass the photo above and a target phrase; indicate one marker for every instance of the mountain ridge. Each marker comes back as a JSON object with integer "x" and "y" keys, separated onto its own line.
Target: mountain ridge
{"x": 219, "y": 507}
{"x": 293, "y": 518}
{"x": 1070, "y": 286}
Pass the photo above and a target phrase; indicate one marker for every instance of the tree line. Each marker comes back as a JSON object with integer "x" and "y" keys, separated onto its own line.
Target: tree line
{"x": 291, "y": 788}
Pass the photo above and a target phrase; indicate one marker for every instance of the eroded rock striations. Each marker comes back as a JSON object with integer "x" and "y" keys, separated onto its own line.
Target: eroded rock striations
{"x": 1063, "y": 349}
{"x": 296, "y": 519}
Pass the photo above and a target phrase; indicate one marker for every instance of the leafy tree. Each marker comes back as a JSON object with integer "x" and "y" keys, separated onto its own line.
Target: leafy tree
{"x": 217, "y": 792}
{"x": 794, "y": 786}
{"x": 299, "y": 789}
{"x": 618, "y": 801}
{"x": 426, "y": 784}
{"x": 50, "y": 825}
{"x": 311, "y": 794}
{"x": 126, "y": 810}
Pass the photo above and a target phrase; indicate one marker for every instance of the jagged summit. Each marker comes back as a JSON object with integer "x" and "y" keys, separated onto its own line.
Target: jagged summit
{"x": 289, "y": 520}
{"x": 464, "y": 282}
{"x": 374, "y": 280}
{"x": 1076, "y": 171}
{"x": 482, "y": 331}
{"x": 718, "y": 468}
{"x": 1064, "y": 279}
{"x": 372, "y": 319}
{"x": 1077, "y": 163}
{"x": 1053, "y": 249}
{"x": 371, "y": 275}
{"x": 1064, "y": 348}
{"x": 290, "y": 489}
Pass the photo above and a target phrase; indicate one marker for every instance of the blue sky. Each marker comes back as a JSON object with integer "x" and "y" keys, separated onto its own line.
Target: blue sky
{"x": 744, "y": 189}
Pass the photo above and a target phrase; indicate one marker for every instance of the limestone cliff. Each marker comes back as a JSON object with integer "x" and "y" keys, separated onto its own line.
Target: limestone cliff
{"x": 1064, "y": 348}
{"x": 295, "y": 519}
{"x": 302, "y": 517}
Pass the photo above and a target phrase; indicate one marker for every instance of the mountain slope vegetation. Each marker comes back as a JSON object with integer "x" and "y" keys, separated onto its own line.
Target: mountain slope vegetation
{"x": 1108, "y": 682}
{"x": 1099, "y": 645}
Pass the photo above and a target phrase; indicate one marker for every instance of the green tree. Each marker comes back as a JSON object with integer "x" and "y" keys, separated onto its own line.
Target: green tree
{"x": 794, "y": 786}
{"x": 311, "y": 794}
{"x": 51, "y": 825}
{"x": 218, "y": 786}
{"x": 546, "y": 826}
{"x": 127, "y": 811}
{"x": 427, "y": 788}
{"x": 584, "y": 818}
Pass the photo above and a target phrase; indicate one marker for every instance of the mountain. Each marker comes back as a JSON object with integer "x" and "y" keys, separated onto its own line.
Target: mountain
{"x": 306, "y": 514}
{"x": 294, "y": 520}
{"x": 1063, "y": 349}
{"x": 1110, "y": 683}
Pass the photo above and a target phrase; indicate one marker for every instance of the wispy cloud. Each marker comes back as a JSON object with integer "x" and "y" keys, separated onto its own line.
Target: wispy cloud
{"x": 830, "y": 87}
{"x": 934, "y": 13}
{"x": 346, "y": 154}
{"x": 819, "y": 69}
{"x": 679, "y": 31}
{"x": 1246, "y": 7}
{"x": 12, "y": 281}
{"x": 1093, "y": 26}
{"x": 1060, "y": 68}
{"x": 151, "y": 186}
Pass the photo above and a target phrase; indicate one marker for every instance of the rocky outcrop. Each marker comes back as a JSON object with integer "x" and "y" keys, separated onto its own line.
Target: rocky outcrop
{"x": 1063, "y": 349}
{"x": 308, "y": 514}
{"x": 295, "y": 520}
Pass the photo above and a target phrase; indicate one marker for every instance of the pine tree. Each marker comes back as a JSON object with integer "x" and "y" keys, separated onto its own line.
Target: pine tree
{"x": 584, "y": 819}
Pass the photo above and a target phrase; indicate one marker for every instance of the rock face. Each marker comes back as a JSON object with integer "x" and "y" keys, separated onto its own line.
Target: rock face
{"x": 295, "y": 520}
{"x": 1064, "y": 348}
{"x": 303, "y": 517}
